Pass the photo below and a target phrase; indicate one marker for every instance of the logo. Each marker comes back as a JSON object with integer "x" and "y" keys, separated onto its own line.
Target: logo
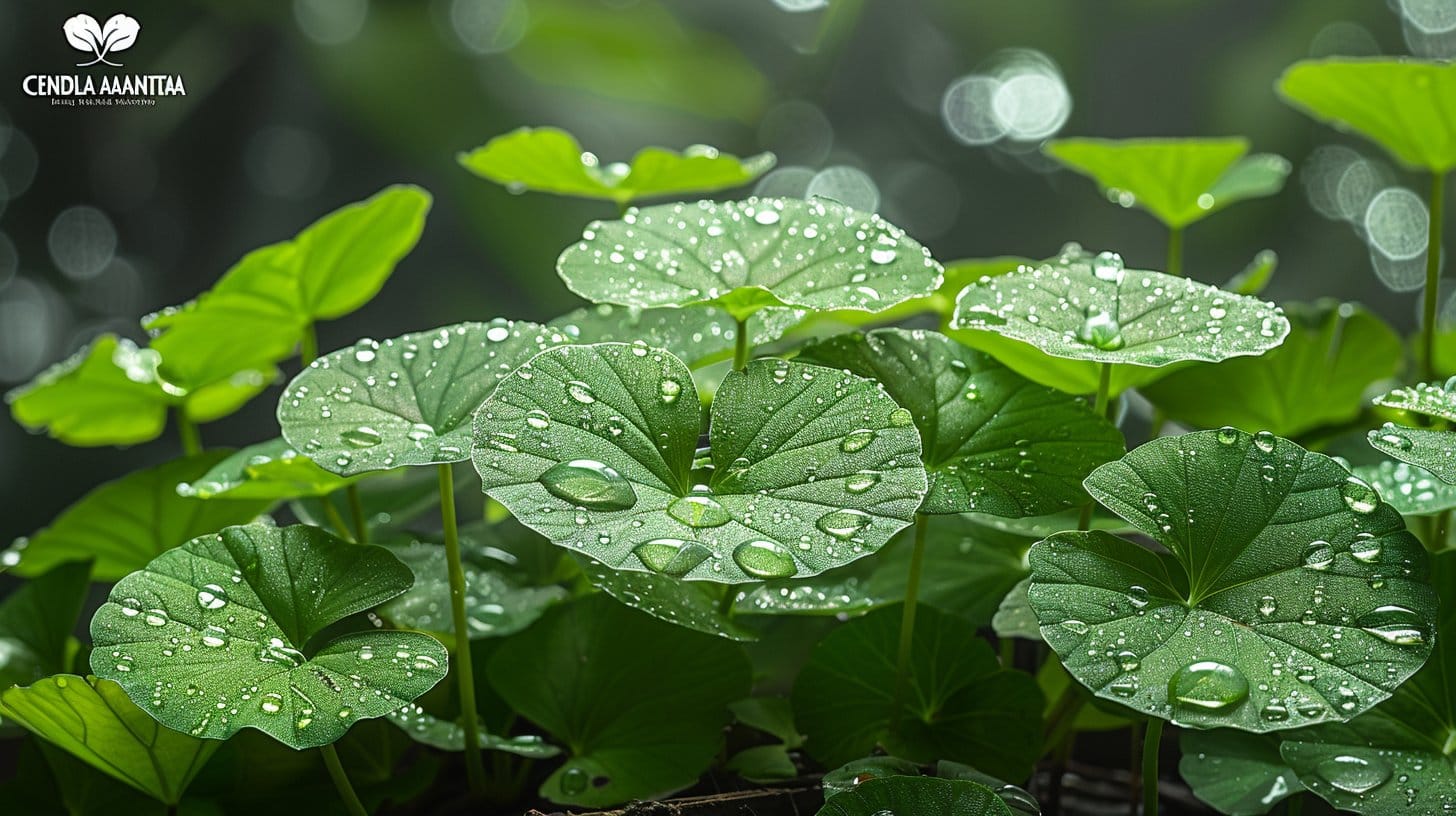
{"x": 85, "y": 34}
{"x": 108, "y": 89}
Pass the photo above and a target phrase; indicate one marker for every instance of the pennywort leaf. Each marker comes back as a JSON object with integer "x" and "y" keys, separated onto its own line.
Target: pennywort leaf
{"x": 1426, "y": 448}
{"x": 693, "y": 604}
{"x": 596, "y": 447}
{"x": 1238, "y": 773}
{"x": 697, "y": 336}
{"x": 266, "y": 470}
{"x": 1411, "y": 490}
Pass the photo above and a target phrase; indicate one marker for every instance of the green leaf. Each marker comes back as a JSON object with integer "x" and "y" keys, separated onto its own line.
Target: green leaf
{"x": 1090, "y": 308}
{"x": 215, "y": 636}
{"x": 405, "y": 401}
{"x": 1179, "y": 181}
{"x": 856, "y": 772}
{"x": 692, "y": 604}
{"x": 595, "y": 447}
{"x": 1252, "y": 279}
{"x": 125, "y": 523}
{"x": 259, "y": 310}
{"x": 771, "y": 715}
{"x": 1289, "y": 595}
{"x": 1053, "y": 680}
{"x": 1014, "y": 616}
{"x": 1396, "y": 758}
{"x": 270, "y": 470}
{"x": 1434, "y": 400}
{"x": 1433, "y": 451}
{"x": 93, "y": 720}
{"x": 1403, "y": 105}
{"x": 1071, "y": 376}
{"x": 36, "y": 621}
{"x": 390, "y": 500}
{"x": 956, "y": 276}
{"x": 447, "y": 735}
{"x": 961, "y": 704}
{"x": 496, "y": 603}
{"x": 591, "y": 674}
{"x": 1235, "y": 772}
{"x": 1316, "y": 377}
{"x": 698, "y": 336}
{"x": 1412, "y": 491}
{"x": 993, "y": 442}
{"x": 747, "y": 255}
{"x": 920, "y": 795}
{"x": 764, "y": 764}
{"x": 550, "y": 160}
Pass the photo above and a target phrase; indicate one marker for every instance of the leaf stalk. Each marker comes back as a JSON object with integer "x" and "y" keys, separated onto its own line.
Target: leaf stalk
{"x": 470, "y": 720}
{"x": 341, "y": 781}
{"x": 907, "y": 616}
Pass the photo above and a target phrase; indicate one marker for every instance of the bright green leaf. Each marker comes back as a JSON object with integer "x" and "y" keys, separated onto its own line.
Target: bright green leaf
{"x": 993, "y": 442}
{"x": 920, "y": 795}
{"x": 1412, "y": 491}
{"x": 1252, "y": 279}
{"x": 93, "y": 720}
{"x": 1014, "y": 617}
{"x": 496, "y": 602}
{"x": 1289, "y": 596}
{"x": 1316, "y": 377}
{"x": 771, "y": 715}
{"x": 36, "y": 621}
{"x": 390, "y": 500}
{"x": 961, "y": 704}
{"x": 404, "y": 401}
{"x": 550, "y": 160}
{"x": 1238, "y": 773}
{"x": 856, "y": 772}
{"x": 591, "y": 674}
{"x": 595, "y": 447}
{"x": 266, "y": 470}
{"x": 748, "y": 255}
{"x": 1406, "y": 106}
{"x": 126, "y": 523}
{"x": 697, "y": 336}
{"x": 1434, "y": 400}
{"x": 694, "y": 604}
{"x": 214, "y": 636}
{"x": 1433, "y": 451}
{"x": 763, "y": 764}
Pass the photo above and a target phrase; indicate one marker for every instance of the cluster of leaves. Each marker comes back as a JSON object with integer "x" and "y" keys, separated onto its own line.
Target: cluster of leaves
{"x": 706, "y": 504}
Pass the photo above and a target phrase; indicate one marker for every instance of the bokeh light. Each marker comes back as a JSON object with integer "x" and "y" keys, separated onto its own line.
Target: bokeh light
{"x": 488, "y": 26}
{"x": 785, "y": 182}
{"x": 30, "y": 320}
{"x": 331, "y": 22}
{"x": 82, "y": 241}
{"x": 287, "y": 162}
{"x": 849, "y": 186}
{"x": 797, "y": 132}
{"x": 1020, "y": 96}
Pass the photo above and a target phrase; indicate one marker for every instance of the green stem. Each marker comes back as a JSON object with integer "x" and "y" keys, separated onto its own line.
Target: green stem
{"x": 907, "y": 615}
{"x": 1152, "y": 738}
{"x": 341, "y": 781}
{"x": 356, "y": 509}
{"x": 470, "y": 720}
{"x": 308, "y": 346}
{"x": 730, "y": 597}
{"x": 187, "y": 429}
{"x": 1295, "y": 805}
{"x": 1433, "y": 272}
{"x": 1443, "y": 530}
{"x": 1008, "y": 652}
{"x": 1101, "y": 406}
{"x": 337, "y": 521}
{"x": 1175, "y": 251}
{"x": 740, "y": 345}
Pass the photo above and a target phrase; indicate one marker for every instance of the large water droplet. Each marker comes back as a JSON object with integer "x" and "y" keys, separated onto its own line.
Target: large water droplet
{"x": 276, "y": 651}
{"x": 856, "y": 440}
{"x": 1208, "y": 685}
{"x": 590, "y": 484}
{"x": 764, "y": 559}
{"x": 1394, "y": 624}
{"x": 361, "y": 437}
{"x": 1227, "y": 435}
{"x": 698, "y": 511}
{"x": 1318, "y": 555}
{"x": 1360, "y": 496}
{"x": 1354, "y": 774}
{"x": 671, "y": 556}
{"x": 1265, "y": 441}
{"x": 861, "y": 481}
{"x": 1101, "y": 330}
{"x": 581, "y": 392}
{"x": 1107, "y": 266}
{"x": 211, "y": 596}
{"x": 844, "y": 524}
{"x": 574, "y": 781}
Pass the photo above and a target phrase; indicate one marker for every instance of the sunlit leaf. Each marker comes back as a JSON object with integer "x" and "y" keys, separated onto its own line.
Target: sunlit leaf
{"x": 215, "y": 636}
{"x": 747, "y": 255}
{"x": 1426, "y": 448}
{"x": 36, "y": 621}
{"x": 266, "y": 470}
{"x": 1412, "y": 491}
{"x": 591, "y": 674}
{"x": 1238, "y": 773}
{"x": 1406, "y": 106}
{"x": 1290, "y": 594}
{"x": 596, "y": 448}
{"x": 126, "y": 523}
{"x": 697, "y": 336}
{"x": 1252, "y": 279}
{"x": 694, "y": 604}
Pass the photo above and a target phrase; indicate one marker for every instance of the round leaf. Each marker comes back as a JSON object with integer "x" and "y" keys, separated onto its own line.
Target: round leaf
{"x": 1238, "y": 773}
{"x": 961, "y": 704}
{"x": 1290, "y": 595}
{"x": 405, "y": 401}
{"x": 595, "y": 447}
{"x": 745, "y": 255}
{"x": 1090, "y": 308}
{"x": 268, "y": 470}
{"x": 214, "y": 636}
{"x": 1404, "y": 105}
{"x": 698, "y": 336}
{"x": 993, "y": 442}
{"x": 920, "y": 795}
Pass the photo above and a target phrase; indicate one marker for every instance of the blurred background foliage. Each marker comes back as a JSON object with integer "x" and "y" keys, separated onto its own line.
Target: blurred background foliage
{"x": 296, "y": 107}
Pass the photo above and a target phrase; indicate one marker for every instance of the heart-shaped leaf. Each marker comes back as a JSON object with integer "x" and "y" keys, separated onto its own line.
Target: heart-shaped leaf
{"x": 961, "y": 705}
{"x": 266, "y": 470}
{"x": 258, "y": 312}
{"x": 405, "y": 401}
{"x": 1316, "y": 377}
{"x": 1412, "y": 491}
{"x": 747, "y": 255}
{"x": 126, "y": 523}
{"x": 1396, "y": 758}
{"x": 551, "y": 161}
{"x": 992, "y": 441}
{"x": 1179, "y": 181}
{"x": 595, "y": 447}
{"x": 446, "y": 735}
{"x": 694, "y": 604}
{"x": 93, "y": 720}
{"x": 590, "y": 672}
{"x": 1237, "y": 773}
{"x": 920, "y": 795}
{"x": 1090, "y": 308}
{"x": 1289, "y": 596}
{"x": 697, "y": 336}
{"x": 1403, "y": 105}
{"x": 36, "y": 621}
{"x": 214, "y": 636}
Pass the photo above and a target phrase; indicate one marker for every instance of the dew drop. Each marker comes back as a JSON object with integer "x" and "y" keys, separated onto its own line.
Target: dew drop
{"x": 764, "y": 559}
{"x": 844, "y": 524}
{"x": 574, "y": 780}
{"x": 856, "y": 440}
{"x": 590, "y": 484}
{"x": 862, "y": 481}
{"x": 1208, "y": 685}
{"x": 538, "y": 419}
{"x": 1394, "y": 624}
{"x": 361, "y": 437}
{"x": 669, "y": 390}
{"x": 901, "y": 418}
{"x": 1318, "y": 555}
{"x": 1265, "y": 441}
{"x": 1101, "y": 330}
{"x": 581, "y": 392}
{"x": 1227, "y": 435}
{"x": 671, "y": 556}
{"x": 1354, "y": 774}
{"x": 698, "y": 511}
{"x": 1359, "y": 496}
{"x": 211, "y": 596}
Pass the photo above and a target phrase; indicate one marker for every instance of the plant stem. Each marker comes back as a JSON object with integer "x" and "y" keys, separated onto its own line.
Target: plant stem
{"x": 1008, "y": 652}
{"x": 740, "y": 345}
{"x": 730, "y": 597}
{"x": 337, "y": 521}
{"x": 1295, "y": 805}
{"x": 187, "y": 429}
{"x": 907, "y": 615}
{"x": 1135, "y": 771}
{"x": 1175, "y": 251}
{"x": 356, "y": 509}
{"x": 1443, "y": 531}
{"x": 470, "y": 720}
{"x": 1152, "y": 738}
{"x": 1100, "y": 405}
{"x": 1433, "y": 271}
{"x": 308, "y": 346}
{"x": 341, "y": 781}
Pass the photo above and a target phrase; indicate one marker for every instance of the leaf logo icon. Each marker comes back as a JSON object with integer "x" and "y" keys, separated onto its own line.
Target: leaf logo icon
{"x": 85, "y": 34}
